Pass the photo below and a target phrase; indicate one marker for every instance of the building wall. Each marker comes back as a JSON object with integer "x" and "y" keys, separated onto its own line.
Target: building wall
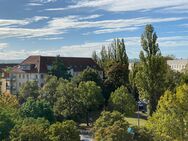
{"x": 178, "y": 65}
{"x": 18, "y": 79}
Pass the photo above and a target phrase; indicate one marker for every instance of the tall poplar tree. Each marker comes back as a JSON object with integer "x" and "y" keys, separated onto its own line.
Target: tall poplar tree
{"x": 150, "y": 78}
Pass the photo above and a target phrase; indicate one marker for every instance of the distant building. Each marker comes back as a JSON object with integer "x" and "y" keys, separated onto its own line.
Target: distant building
{"x": 37, "y": 68}
{"x": 178, "y": 65}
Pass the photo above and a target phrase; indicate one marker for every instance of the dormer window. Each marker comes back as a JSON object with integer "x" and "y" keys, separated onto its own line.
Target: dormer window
{"x": 25, "y": 67}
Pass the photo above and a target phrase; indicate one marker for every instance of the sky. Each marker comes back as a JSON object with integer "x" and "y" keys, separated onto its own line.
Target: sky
{"x": 78, "y": 27}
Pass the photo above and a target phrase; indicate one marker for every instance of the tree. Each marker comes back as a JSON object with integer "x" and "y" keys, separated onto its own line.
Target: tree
{"x": 122, "y": 101}
{"x": 8, "y": 100}
{"x": 132, "y": 82}
{"x": 6, "y": 122}
{"x": 116, "y": 52}
{"x": 30, "y": 129}
{"x": 88, "y": 74}
{"x": 118, "y": 74}
{"x": 8, "y": 114}
{"x": 150, "y": 78}
{"x": 111, "y": 127}
{"x": 28, "y": 89}
{"x": 68, "y": 102}
{"x": 49, "y": 89}
{"x": 90, "y": 97}
{"x": 59, "y": 70}
{"x": 37, "y": 108}
{"x": 169, "y": 123}
{"x": 65, "y": 131}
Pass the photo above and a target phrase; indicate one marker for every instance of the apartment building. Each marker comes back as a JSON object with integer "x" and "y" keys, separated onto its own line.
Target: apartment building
{"x": 37, "y": 68}
{"x": 178, "y": 65}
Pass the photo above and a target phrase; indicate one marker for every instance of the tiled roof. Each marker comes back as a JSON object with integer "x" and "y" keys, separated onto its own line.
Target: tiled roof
{"x": 39, "y": 64}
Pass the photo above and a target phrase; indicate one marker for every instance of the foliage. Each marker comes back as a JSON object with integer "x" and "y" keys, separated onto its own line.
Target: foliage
{"x": 169, "y": 123}
{"x": 49, "y": 89}
{"x": 90, "y": 97}
{"x": 59, "y": 70}
{"x": 65, "y": 131}
{"x": 122, "y": 101}
{"x": 28, "y": 89}
{"x": 30, "y": 129}
{"x": 37, "y": 108}
{"x": 111, "y": 127}
{"x": 7, "y": 117}
{"x": 118, "y": 74}
{"x": 8, "y": 100}
{"x": 132, "y": 81}
{"x": 68, "y": 103}
{"x": 88, "y": 74}
{"x": 150, "y": 78}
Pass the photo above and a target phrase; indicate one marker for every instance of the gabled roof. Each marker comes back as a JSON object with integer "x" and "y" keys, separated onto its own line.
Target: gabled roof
{"x": 39, "y": 64}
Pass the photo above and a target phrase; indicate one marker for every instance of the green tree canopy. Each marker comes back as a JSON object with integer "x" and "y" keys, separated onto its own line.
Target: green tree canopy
{"x": 28, "y": 89}
{"x": 65, "y": 131}
{"x": 59, "y": 70}
{"x": 49, "y": 90}
{"x": 169, "y": 123}
{"x": 122, "y": 101}
{"x": 68, "y": 102}
{"x": 88, "y": 74}
{"x": 7, "y": 122}
{"x": 150, "y": 78}
{"x": 30, "y": 129}
{"x": 118, "y": 74}
{"x": 90, "y": 97}
{"x": 111, "y": 127}
{"x": 37, "y": 108}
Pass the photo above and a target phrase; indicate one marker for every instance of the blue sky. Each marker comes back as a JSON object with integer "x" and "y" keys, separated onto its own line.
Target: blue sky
{"x": 78, "y": 27}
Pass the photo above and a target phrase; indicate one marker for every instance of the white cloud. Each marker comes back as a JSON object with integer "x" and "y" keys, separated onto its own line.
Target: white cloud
{"x": 13, "y": 22}
{"x": 57, "y": 26}
{"x": 126, "y": 5}
{"x": 168, "y": 45}
{"x": 51, "y": 38}
{"x": 106, "y": 26}
{"x": 3, "y": 45}
{"x": 33, "y": 4}
{"x": 42, "y": 1}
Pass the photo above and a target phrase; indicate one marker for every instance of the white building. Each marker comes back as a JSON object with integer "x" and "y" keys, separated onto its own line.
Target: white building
{"x": 37, "y": 68}
{"x": 178, "y": 64}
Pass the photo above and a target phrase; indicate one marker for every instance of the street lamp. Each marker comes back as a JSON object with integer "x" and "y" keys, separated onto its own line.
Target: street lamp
{"x": 138, "y": 113}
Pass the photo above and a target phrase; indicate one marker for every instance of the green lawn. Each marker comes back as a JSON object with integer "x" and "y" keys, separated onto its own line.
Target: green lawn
{"x": 134, "y": 120}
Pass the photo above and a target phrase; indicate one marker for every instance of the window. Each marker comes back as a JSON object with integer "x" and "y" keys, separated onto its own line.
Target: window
{"x": 27, "y": 76}
{"x": 23, "y": 76}
{"x": 19, "y": 75}
{"x": 20, "y": 84}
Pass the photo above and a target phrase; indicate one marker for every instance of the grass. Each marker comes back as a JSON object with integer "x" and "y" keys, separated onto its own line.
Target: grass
{"x": 134, "y": 119}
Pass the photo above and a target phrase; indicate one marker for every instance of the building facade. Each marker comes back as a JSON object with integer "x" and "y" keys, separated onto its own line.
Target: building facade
{"x": 37, "y": 68}
{"x": 178, "y": 65}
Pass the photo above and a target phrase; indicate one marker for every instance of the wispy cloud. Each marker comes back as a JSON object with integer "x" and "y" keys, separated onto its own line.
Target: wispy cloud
{"x": 42, "y": 1}
{"x": 174, "y": 44}
{"x": 3, "y": 45}
{"x": 13, "y": 22}
{"x": 57, "y": 26}
{"x": 106, "y": 26}
{"x": 125, "y": 5}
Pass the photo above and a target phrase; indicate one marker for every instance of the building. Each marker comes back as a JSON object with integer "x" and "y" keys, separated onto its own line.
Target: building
{"x": 4, "y": 74}
{"x": 178, "y": 65}
{"x": 37, "y": 68}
